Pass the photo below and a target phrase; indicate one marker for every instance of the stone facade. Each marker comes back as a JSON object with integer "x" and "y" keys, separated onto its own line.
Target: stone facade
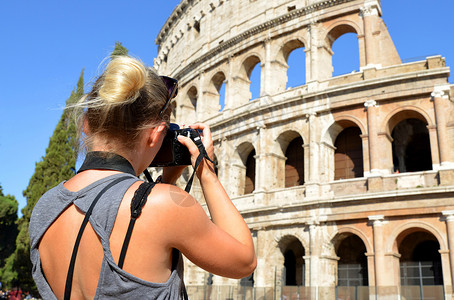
{"x": 371, "y": 151}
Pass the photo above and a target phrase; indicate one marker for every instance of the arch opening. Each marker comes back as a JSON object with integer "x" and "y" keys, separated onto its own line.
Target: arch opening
{"x": 411, "y": 146}
{"x": 192, "y": 95}
{"x": 420, "y": 261}
{"x": 344, "y": 64}
{"x": 294, "y": 265}
{"x": 251, "y": 71}
{"x": 294, "y": 165}
{"x": 249, "y": 185}
{"x": 254, "y": 78}
{"x": 352, "y": 264}
{"x": 219, "y": 87}
{"x": 348, "y": 156}
{"x": 296, "y": 72}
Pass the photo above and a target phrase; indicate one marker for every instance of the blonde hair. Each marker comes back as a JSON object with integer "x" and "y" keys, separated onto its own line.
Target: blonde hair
{"x": 125, "y": 99}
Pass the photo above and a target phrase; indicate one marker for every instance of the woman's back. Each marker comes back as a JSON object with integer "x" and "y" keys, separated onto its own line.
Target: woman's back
{"x": 148, "y": 256}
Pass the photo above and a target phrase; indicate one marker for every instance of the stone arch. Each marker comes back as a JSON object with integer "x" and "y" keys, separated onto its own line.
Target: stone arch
{"x": 403, "y": 230}
{"x": 211, "y": 92}
{"x": 390, "y": 121}
{"x": 192, "y": 96}
{"x": 280, "y": 147}
{"x": 287, "y": 47}
{"x": 332, "y": 33}
{"x": 285, "y": 135}
{"x": 419, "y": 249}
{"x": 284, "y": 139}
{"x": 281, "y": 65}
{"x": 243, "y": 167}
{"x": 340, "y": 28}
{"x": 339, "y": 124}
{"x": 293, "y": 251}
{"x": 188, "y": 105}
{"x": 410, "y": 146}
{"x": 243, "y": 149}
{"x": 404, "y": 112}
{"x": 329, "y": 149}
{"x": 249, "y": 63}
{"x": 286, "y": 236}
{"x": 343, "y": 231}
{"x": 216, "y": 81}
{"x": 243, "y": 82}
{"x": 351, "y": 250}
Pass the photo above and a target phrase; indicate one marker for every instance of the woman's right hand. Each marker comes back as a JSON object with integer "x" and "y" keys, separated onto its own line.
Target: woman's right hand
{"x": 205, "y": 167}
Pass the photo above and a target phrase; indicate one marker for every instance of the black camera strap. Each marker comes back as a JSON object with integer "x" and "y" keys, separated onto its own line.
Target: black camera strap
{"x": 137, "y": 203}
{"x": 203, "y": 154}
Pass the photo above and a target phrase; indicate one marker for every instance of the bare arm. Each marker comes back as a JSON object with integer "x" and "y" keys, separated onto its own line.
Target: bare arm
{"x": 227, "y": 237}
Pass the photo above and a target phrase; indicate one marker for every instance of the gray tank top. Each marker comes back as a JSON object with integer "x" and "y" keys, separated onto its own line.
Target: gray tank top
{"x": 113, "y": 283}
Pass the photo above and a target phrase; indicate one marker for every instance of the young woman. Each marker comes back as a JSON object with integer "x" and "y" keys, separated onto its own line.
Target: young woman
{"x": 125, "y": 118}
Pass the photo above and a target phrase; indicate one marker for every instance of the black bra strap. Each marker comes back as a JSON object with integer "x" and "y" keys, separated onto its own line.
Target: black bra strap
{"x": 69, "y": 276}
{"x": 137, "y": 203}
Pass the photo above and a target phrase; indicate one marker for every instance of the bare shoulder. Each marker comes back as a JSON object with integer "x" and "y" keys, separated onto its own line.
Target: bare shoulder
{"x": 176, "y": 211}
{"x": 172, "y": 196}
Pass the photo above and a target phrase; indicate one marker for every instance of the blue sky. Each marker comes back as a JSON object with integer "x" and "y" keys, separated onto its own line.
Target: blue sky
{"x": 45, "y": 44}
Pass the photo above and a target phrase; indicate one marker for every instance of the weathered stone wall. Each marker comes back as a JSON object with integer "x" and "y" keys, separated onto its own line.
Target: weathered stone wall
{"x": 208, "y": 44}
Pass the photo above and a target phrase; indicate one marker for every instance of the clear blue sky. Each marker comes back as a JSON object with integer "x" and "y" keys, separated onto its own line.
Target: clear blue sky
{"x": 45, "y": 45}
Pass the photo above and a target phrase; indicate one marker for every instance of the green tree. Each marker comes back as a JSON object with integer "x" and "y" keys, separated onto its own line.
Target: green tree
{"x": 57, "y": 165}
{"x": 119, "y": 50}
{"x": 8, "y": 226}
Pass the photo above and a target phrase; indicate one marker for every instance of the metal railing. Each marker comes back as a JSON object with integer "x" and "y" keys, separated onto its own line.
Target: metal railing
{"x": 435, "y": 292}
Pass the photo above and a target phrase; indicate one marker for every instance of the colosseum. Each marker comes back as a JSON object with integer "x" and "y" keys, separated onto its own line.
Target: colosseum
{"x": 346, "y": 182}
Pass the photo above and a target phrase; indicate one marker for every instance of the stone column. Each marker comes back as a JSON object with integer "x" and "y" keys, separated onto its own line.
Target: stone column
{"x": 314, "y": 255}
{"x": 313, "y": 151}
{"x": 439, "y": 96}
{"x": 274, "y": 76}
{"x": 449, "y": 217}
{"x": 370, "y": 14}
{"x": 312, "y": 182}
{"x": 372, "y": 107}
{"x": 258, "y": 187}
{"x": 379, "y": 251}
{"x": 266, "y": 76}
{"x": 263, "y": 174}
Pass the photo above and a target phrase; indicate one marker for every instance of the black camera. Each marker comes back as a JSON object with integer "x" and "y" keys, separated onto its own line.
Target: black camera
{"x": 172, "y": 152}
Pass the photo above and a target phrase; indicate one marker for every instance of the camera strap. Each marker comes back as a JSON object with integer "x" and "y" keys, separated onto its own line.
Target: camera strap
{"x": 203, "y": 154}
{"x": 137, "y": 203}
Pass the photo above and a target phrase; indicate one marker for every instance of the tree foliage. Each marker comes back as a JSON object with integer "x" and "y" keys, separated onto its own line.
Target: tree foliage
{"x": 119, "y": 50}
{"x": 57, "y": 165}
{"x": 8, "y": 226}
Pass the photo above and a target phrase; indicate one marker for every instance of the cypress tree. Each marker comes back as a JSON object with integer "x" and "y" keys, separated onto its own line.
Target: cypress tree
{"x": 119, "y": 50}
{"x": 8, "y": 229}
{"x": 57, "y": 165}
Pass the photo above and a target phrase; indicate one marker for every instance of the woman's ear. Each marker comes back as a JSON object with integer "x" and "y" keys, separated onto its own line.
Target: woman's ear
{"x": 155, "y": 134}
